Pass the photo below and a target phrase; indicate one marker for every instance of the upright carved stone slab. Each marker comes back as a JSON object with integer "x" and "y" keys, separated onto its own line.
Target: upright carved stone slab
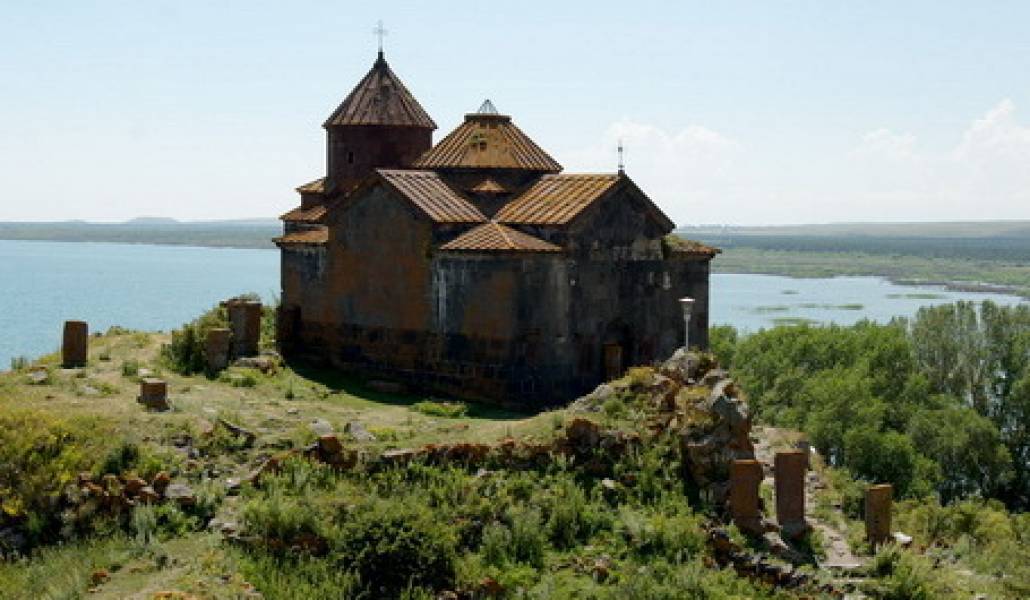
{"x": 878, "y": 500}
{"x": 245, "y": 323}
{"x": 75, "y": 344}
{"x": 216, "y": 349}
{"x": 790, "y": 492}
{"x": 745, "y": 508}
{"x": 153, "y": 393}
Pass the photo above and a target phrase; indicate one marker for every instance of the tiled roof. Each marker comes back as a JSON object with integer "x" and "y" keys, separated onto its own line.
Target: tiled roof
{"x": 556, "y": 199}
{"x": 380, "y": 98}
{"x": 494, "y": 237}
{"x": 432, "y": 196}
{"x": 486, "y": 141}
{"x": 313, "y": 187}
{"x": 304, "y": 238}
{"x": 305, "y": 215}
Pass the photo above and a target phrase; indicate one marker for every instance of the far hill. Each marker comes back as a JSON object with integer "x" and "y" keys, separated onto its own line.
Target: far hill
{"x": 1007, "y": 241}
{"x": 252, "y": 233}
{"x": 944, "y": 229}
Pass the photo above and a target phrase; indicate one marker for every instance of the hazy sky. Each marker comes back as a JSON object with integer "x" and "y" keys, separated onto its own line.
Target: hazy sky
{"x": 731, "y": 112}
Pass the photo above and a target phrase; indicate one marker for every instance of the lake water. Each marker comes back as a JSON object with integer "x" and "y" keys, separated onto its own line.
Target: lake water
{"x": 753, "y": 302}
{"x": 160, "y": 287}
{"x": 42, "y": 284}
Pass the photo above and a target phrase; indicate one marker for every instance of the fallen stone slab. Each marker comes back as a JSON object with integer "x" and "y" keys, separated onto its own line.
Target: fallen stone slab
{"x": 358, "y": 432}
{"x": 181, "y": 493}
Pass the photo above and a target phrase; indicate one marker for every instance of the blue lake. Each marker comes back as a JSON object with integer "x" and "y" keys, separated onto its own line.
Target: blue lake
{"x": 137, "y": 286}
{"x": 160, "y": 287}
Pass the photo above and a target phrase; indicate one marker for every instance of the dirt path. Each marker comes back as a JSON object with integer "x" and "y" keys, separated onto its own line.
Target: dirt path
{"x": 839, "y": 556}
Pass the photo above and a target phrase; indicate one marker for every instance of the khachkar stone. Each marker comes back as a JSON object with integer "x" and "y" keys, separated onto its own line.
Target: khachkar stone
{"x": 745, "y": 478}
{"x": 790, "y": 469}
{"x": 878, "y": 500}
{"x": 75, "y": 344}
{"x": 153, "y": 393}
{"x": 216, "y": 349}
{"x": 245, "y": 322}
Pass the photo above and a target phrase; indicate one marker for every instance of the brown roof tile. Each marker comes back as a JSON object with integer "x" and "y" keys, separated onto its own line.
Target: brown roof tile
{"x": 556, "y": 199}
{"x": 305, "y": 215}
{"x": 304, "y": 238}
{"x": 487, "y": 141}
{"x": 432, "y": 196}
{"x": 380, "y": 98}
{"x": 313, "y": 187}
{"x": 494, "y": 237}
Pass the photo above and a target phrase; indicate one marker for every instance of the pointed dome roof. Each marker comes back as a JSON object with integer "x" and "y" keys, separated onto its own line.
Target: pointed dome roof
{"x": 380, "y": 98}
{"x": 487, "y": 140}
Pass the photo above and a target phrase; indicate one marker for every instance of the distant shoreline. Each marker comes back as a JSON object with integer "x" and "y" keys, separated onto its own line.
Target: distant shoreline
{"x": 215, "y": 234}
{"x": 952, "y": 286}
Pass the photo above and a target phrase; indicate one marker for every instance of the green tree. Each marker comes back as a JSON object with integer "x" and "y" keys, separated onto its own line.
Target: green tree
{"x": 840, "y": 400}
{"x": 1014, "y": 423}
{"x": 722, "y": 342}
{"x": 968, "y": 449}
{"x": 889, "y": 457}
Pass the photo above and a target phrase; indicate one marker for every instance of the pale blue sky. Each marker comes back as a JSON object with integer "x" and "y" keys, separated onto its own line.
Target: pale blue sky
{"x": 732, "y": 112}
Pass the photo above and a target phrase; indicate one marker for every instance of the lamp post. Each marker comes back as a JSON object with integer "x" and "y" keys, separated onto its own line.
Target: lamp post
{"x": 688, "y": 306}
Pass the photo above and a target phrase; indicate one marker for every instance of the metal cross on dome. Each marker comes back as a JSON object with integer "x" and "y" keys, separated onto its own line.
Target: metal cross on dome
{"x": 380, "y": 32}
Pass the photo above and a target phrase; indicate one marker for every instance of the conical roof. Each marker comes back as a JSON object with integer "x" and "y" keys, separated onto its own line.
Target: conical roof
{"x": 487, "y": 140}
{"x": 380, "y": 98}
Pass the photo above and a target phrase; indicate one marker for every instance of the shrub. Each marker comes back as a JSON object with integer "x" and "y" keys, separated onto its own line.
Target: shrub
{"x": 279, "y": 517}
{"x": 528, "y": 543}
{"x": 240, "y": 378}
{"x": 392, "y": 547}
{"x": 120, "y": 459}
{"x": 297, "y": 577}
{"x": 143, "y": 523}
{"x": 904, "y": 576}
{"x": 130, "y": 368}
{"x": 673, "y": 533}
{"x": 573, "y": 518}
{"x": 451, "y": 410}
{"x": 39, "y": 456}
{"x": 496, "y": 544}
{"x": 185, "y": 353}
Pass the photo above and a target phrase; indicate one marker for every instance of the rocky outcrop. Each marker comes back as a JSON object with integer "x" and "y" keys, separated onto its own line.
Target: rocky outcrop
{"x": 718, "y": 434}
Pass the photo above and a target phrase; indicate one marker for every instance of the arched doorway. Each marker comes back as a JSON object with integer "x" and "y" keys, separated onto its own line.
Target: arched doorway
{"x": 616, "y": 345}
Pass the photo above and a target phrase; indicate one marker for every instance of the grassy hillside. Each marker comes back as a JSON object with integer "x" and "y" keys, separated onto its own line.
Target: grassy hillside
{"x": 591, "y": 501}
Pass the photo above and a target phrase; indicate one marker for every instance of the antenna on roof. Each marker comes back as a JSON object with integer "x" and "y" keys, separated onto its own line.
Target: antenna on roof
{"x": 487, "y": 108}
{"x": 622, "y": 164}
{"x": 380, "y": 32}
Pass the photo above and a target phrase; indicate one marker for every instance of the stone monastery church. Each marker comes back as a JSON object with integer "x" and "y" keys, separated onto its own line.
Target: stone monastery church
{"x": 475, "y": 267}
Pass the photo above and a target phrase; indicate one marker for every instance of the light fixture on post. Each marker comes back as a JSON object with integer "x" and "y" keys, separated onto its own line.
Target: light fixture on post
{"x": 688, "y": 307}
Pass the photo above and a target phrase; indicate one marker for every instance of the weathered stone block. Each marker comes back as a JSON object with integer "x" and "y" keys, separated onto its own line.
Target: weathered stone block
{"x": 745, "y": 505}
{"x": 153, "y": 393}
{"x": 75, "y": 344}
{"x": 790, "y": 467}
{"x": 216, "y": 349}
{"x": 245, "y": 323}
{"x": 878, "y": 500}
